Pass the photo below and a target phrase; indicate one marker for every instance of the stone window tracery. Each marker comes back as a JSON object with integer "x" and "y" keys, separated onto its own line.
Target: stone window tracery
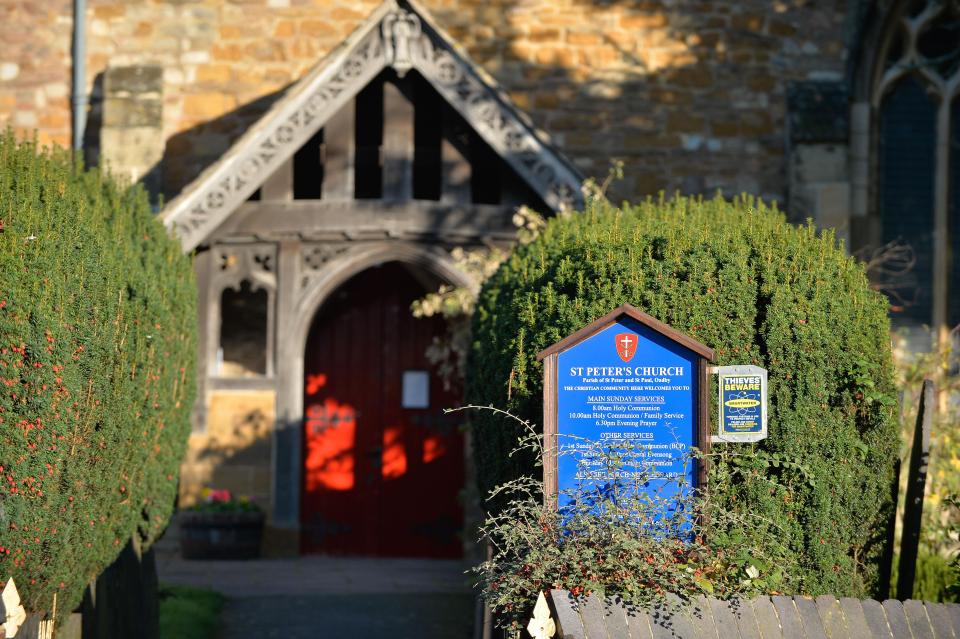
{"x": 916, "y": 163}
{"x": 243, "y": 332}
{"x": 242, "y": 292}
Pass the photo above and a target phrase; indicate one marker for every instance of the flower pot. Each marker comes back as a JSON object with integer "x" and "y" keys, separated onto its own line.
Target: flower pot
{"x": 220, "y": 535}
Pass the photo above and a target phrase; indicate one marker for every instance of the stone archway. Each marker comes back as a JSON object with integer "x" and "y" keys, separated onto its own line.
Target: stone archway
{"x": 296, "y": 315}
{"x": 383, "y": 466}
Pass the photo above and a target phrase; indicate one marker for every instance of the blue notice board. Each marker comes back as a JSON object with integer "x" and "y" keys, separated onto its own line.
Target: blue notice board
{"x": 626, "y": 378}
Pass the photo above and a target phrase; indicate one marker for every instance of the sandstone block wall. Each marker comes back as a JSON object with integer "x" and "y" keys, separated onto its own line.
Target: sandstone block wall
{"x": 131, "y": 130}
{"x": 35, "y": 68}
{"x": 688, "y": 93}
{"x": 234, "y": 450}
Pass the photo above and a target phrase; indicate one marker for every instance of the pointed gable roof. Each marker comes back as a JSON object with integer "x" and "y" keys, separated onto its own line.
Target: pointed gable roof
{"x": 399, "y": 35}
{"x": 630, "y": 311}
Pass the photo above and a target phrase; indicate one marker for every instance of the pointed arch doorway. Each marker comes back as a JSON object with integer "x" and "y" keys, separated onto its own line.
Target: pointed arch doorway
{"x": 383, "y": 466}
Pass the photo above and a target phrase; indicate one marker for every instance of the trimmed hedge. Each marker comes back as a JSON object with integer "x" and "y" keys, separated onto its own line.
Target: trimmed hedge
{"x": 97, "y": 335}
{"x": 737, "y": 277}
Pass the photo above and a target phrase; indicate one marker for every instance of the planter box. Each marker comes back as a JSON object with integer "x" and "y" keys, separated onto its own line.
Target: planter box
{"x": 220, "y": 535}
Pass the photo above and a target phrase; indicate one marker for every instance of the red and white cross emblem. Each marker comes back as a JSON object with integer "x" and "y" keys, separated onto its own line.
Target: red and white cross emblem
{"x": 626, "y": 344}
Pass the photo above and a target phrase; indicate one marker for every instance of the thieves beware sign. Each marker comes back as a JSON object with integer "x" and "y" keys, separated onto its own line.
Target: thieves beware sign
{"x": 625, "y": 378}
{"x": 742, "y": 413}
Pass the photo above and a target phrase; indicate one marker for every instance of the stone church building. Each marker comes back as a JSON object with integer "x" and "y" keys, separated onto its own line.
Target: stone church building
{"x": 322, "y": 158}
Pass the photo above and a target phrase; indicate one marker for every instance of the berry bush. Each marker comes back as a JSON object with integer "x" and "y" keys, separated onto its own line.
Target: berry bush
{"x": 737, "y": 277}
{"x": 97, "y": 346}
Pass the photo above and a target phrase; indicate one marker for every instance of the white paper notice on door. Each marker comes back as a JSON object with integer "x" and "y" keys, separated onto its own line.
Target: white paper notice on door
{"x": 416, "y": 389}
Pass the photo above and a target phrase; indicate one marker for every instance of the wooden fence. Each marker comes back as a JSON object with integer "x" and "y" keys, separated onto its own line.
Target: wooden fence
{"x": 825, "y": 617}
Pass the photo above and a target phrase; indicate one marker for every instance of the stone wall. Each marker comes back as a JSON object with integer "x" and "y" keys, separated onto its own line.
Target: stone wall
{"x": 689, "y": 94}
{"x": 35, "y": 68}
{"x": 131, "y": 128}
{"x": 234, "y": 450}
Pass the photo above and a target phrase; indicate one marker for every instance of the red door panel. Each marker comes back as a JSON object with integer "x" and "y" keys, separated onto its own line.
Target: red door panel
{"x": 379, "y": 479}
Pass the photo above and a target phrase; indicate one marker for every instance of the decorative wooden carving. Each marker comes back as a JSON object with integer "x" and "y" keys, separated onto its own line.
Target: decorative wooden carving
{"x": 360, "y": 220}
{"x": 397, "y": 37}
{"x": 13, "y": 613}
{"x": 542, "y": 625}
{"x": 401, "y": 34}
{"x": 315, "y": 256}
{"x": 489, "y": 113}
{"x": 226, "y": 185}
{"x": 234, "y": 263}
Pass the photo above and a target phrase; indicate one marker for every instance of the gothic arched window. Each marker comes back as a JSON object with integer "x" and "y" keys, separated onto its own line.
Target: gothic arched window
{"x": 241, "y": 293}
{"x": 917, "y": 159}
{"x": 243, "y": 331}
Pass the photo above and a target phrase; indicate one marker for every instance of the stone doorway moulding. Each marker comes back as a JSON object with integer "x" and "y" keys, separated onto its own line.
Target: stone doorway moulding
{"x": 324, "y": 297}
{"x": 295, "y": 316}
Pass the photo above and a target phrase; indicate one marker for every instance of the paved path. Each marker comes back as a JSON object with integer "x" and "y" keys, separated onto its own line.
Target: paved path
{"x": 318, "y": 597}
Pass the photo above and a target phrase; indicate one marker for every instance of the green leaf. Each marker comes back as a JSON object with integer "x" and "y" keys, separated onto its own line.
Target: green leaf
{"x": 704, "y": 584}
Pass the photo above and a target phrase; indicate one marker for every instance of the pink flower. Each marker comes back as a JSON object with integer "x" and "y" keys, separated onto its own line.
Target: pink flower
{"x": 219, "y": 496}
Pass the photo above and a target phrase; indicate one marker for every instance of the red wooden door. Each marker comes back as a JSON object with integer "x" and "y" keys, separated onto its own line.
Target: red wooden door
{"x": 380, "y": 477}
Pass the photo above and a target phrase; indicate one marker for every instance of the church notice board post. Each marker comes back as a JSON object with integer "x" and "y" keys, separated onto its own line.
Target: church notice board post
{"x": 627, "y": 377}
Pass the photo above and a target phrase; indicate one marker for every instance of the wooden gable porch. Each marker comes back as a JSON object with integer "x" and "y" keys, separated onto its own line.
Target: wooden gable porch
{"x": 396, "y": 148}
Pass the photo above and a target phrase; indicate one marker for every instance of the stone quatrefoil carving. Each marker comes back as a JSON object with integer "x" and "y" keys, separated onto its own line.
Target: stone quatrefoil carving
{"x": 315, "y": 256}
{"x": 403, "y": 41}
{"x": 253, "y": 263}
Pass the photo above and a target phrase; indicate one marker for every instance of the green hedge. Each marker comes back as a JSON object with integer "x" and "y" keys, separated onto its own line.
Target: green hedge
{"x": 737, "y": 277}
{"x": 934, "y": 579}
{"x": 97, "y": 343}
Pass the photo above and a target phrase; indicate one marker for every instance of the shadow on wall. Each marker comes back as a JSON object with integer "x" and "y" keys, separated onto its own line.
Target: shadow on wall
{"x": 234, "y": 451}
{"x": 189, "y": 152}
{"x": 91, "y": 132}
{"x": 689, "y": 99}
{"x": 124, "y": 128}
